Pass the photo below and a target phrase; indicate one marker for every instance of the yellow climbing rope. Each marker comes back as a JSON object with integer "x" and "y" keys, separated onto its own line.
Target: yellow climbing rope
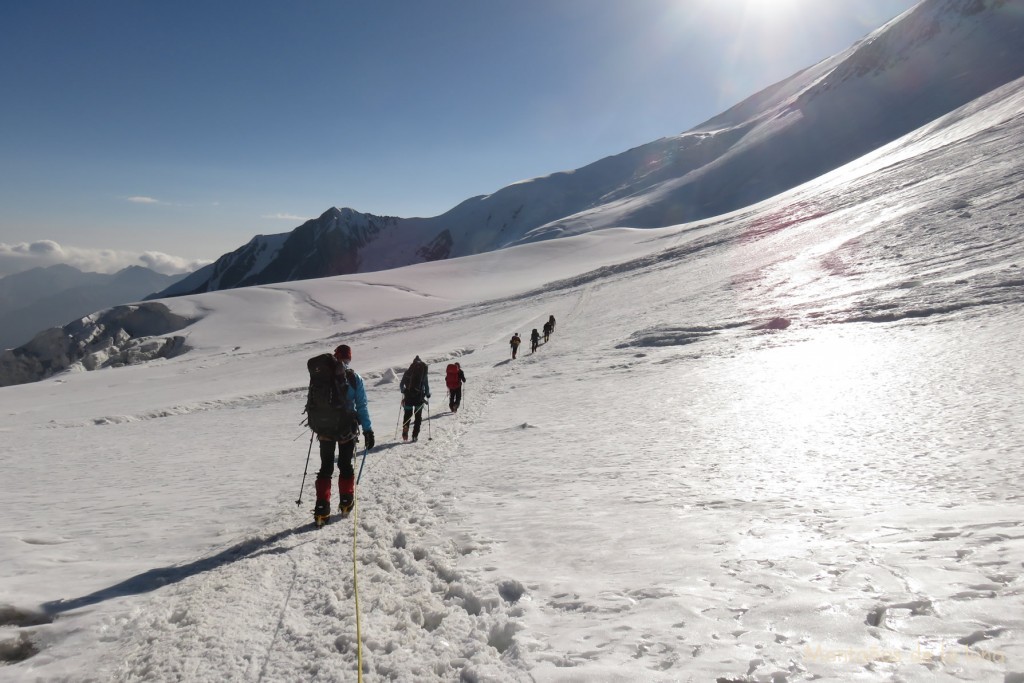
{"x": 355, "y": 589}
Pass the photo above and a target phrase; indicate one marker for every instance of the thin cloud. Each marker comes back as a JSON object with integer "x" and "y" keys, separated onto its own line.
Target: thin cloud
{"x": 15, "y": 258}
{"x": 283, "y": 217}
{"x": 144, "y": 200}
{"x": 169, "y": 265}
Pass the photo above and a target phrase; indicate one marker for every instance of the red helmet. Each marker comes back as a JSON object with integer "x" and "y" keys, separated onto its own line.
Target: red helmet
{"x": 343, "y": 353}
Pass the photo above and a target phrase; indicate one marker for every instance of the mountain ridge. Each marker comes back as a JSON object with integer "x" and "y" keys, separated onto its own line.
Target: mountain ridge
{"x": 921, "y": 65}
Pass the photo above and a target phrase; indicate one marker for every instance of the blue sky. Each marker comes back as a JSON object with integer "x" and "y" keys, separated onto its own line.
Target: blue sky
{"x": 182, "y": 129}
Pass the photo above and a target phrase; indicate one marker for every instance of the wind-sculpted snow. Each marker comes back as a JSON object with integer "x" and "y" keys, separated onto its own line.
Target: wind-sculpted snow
{"x": 945, "y": 240}
{"x": 675, "y": 336}
{"x": 189, "y": 408}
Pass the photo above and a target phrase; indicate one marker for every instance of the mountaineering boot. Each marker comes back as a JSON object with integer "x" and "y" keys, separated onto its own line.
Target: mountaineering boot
{"x": 322, "y": 509}
{"x": 345, "y": 505}
{"x": 321, "y": 512}
{"x": 346, "y": 491}
{"x": 405, "y": 433}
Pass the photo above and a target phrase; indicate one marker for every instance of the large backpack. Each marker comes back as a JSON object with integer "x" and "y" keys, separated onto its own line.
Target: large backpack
{"x": 451, "y": 376}
{"x": 330, "y": 411}
{"x": 414, "y": 377}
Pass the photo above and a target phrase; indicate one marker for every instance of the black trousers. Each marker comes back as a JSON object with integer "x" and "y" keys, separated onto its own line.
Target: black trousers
{"x": 413, "y": 414}
{"x": 454, "y": 398}
{"x": 346, "y": 451}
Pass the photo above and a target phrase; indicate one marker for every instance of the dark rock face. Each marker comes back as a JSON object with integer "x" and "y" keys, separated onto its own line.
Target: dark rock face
{"x": 440, "y": 248}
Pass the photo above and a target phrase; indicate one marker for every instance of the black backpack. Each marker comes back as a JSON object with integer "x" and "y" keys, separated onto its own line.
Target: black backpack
{"x": 330, "y": 411}
{"x": 414, "y": 377}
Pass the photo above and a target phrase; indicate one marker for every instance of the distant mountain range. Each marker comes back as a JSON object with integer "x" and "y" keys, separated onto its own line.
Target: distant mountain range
{"x": 925, "y": 63}
{"x": 41, "y": 298}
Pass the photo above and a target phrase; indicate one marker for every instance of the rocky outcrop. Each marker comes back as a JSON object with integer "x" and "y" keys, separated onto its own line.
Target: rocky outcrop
{"x": 123, "y": 335}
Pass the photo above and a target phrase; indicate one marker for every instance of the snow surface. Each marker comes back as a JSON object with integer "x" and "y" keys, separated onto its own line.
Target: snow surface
{"x": 779, "y": 445}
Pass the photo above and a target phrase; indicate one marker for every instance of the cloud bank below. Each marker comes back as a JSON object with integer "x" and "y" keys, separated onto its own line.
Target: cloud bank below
{"x": 15, "y": 258}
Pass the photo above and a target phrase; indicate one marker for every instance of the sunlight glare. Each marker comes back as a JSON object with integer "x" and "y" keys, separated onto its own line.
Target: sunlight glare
{"x": 757, "y": 39}
{"x": 773, "y": 11}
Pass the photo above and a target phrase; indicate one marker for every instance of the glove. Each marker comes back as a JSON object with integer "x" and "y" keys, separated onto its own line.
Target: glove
{"x": 368, "y": 437}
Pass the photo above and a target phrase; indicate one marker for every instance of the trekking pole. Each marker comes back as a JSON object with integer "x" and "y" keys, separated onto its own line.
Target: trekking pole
{"x": 401, "y": 409}
{"x": 311, "y": 435}
{"x": 363, "y": 462}
{"x": 429, "y": 437}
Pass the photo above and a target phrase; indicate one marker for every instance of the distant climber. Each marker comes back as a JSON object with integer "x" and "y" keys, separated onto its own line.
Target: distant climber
{"x": 454, "y": 378}
{"x": 415, "y": 392}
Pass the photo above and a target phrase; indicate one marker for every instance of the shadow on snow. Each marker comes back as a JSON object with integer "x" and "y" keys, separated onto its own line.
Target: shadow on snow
{"x": 163, "y": 576}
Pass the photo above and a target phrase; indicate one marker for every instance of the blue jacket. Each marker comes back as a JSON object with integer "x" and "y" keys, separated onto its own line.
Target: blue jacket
{"x": 357, "y": 392}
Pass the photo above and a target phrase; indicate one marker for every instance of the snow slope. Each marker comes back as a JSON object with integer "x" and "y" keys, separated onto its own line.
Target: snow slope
{"x": 782, "y": 444}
